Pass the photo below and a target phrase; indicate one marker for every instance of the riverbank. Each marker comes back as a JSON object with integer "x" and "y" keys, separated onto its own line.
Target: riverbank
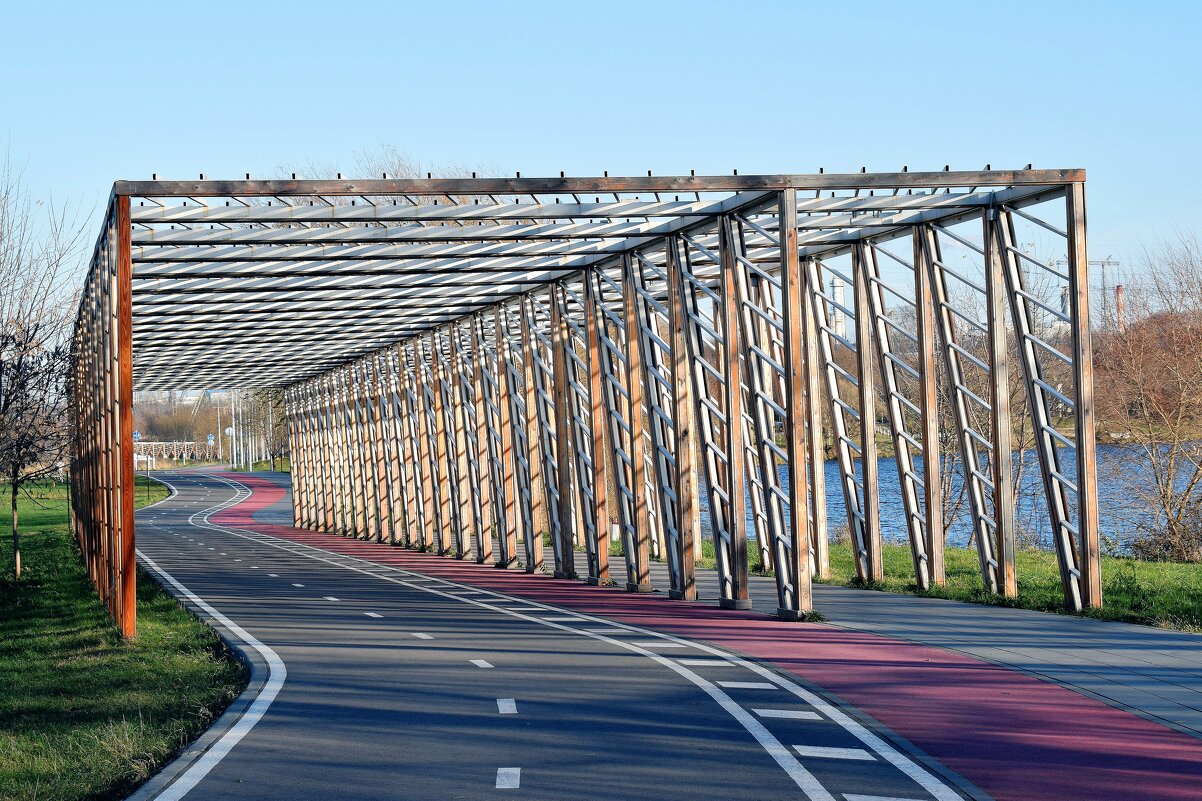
{"x": 85, "y": 715}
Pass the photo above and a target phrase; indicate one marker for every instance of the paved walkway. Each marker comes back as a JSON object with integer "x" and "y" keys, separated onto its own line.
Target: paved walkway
{"x": 976, "y": 727}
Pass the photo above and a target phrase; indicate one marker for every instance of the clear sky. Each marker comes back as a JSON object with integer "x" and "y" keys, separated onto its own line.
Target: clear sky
{"x": 92, "y": 92}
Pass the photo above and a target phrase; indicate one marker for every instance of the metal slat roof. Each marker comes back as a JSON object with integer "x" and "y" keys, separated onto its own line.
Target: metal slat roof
{"x": 264, "y": 283}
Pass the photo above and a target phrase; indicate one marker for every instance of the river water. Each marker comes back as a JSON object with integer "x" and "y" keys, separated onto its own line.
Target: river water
{"x": 1121, "y": 473}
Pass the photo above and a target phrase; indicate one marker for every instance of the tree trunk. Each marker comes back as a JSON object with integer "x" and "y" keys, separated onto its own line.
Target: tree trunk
{"x": 16, "y": 531}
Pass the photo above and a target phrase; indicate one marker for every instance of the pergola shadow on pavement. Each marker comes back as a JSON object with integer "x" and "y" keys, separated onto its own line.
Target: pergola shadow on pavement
{"x": 469, "y": 363}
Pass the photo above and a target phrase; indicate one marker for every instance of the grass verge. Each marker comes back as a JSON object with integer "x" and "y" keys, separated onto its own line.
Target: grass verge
{"x": 1162, "y": 594}
{"x": 84, "y": 715}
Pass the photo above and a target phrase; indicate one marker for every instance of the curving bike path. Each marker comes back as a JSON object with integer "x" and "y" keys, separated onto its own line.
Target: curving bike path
{"x": 415, "y": 676}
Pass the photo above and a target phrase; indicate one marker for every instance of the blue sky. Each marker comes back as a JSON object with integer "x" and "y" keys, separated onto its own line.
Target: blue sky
{"x": 95, "y": 92}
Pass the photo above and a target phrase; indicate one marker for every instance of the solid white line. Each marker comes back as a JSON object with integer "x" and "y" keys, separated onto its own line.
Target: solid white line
{"x": 805, "y": 781}
{"x": 276, "y": 674}
{"x": 788, "y": 714}
{"x": 509, "y": 778}
{"x": 507, "y": 706}
{"x": 421, "y": 636}
{"x": 372, "y": 614}
{"x": 746, "y": 685}
{"x": 480, "y": 663}
{"x": 827, "y": 752}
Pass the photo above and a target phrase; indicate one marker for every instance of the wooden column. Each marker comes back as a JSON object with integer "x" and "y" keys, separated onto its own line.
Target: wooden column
{"x": 733, "y": 434}
{"x": 1089, "y": 546}
{"x": 684, "y": 426}
{"x": 796, "y": 573}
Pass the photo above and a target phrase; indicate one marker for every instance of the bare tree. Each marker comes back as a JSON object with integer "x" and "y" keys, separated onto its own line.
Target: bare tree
{"x": 37, "y": 251}
{"x": 1150, "y": 363}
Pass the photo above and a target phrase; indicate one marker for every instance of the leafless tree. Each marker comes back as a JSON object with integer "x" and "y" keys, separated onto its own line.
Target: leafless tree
{"x": 1150, "y": 363}
{"x": 39, "y": 248}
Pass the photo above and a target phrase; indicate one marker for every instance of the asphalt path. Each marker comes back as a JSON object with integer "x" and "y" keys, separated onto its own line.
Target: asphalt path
{"x": 375, "y": 682}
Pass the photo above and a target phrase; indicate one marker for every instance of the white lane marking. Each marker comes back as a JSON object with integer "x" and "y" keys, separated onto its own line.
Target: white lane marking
{"x": 223, "y": 553}
{"x": 297, "y": 585}
{"x": 329, "y": 598}
{"x": 746, "y": 685}
{"x": 254, "y": 567}
{"x": 788, "y": 714}
{"x": 373, "y": 614}
{"x": 276, "y": 674}
{"x": 705, "y": 662}
{"x": 274, "y": 575}
{"x": 507, "y": 706}
{"x": 774, "y": 747}
{"x": 564, "y": 619}
{"x": 827, "y": 752}
{"x": 858, "y": 797}
{"x": 509, "y": 778}
{"x": 481, "y": 663}
{"x": 659, "y": 644}
{"x": 212, "y": 549}
{"x": 421, "y": 636}
{"x": 239, "y": 560}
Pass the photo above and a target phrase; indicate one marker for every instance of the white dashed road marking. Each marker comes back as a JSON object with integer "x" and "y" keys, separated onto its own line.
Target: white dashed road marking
{"x": 507, "y": 706}
{"x": 421, "y": 636}
{"x": 509, "y": 778}
{"x": 598, "y": 629}
{"x": 297, "y": 585}
{"x": 788, "y": 714}
{"x": 329, "y": 598}
{"x": 746, "y": 685}
{"x": 826, "y": 752}
{"x": 373, "y": 614}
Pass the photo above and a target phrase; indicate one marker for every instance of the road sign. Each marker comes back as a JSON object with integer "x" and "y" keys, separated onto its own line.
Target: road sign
{"x": 137, "y": 436}
{"x": 210, "y": 439}
{"x": 229, "y": 431}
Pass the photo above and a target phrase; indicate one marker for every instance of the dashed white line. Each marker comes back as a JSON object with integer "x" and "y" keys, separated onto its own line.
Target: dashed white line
{"x": 746, "y": 685}
{"x": 329, "y": 598}
{"x": 788, "y": 714}
{"x": 294, "y": 584}
{"x": 274, "y": 575}
{"x": 828, "y": 752}
{"x": 422, "y": 636}
{"x": 705, "y": 662}
{"x": 480, "y": 663}
{"x": 509, "y": 778}
{"x": 858, "y": 797}
{"x": 659, "y": 644}
{"x": 564, "y": 619}
{"x": 507, "y": 706}
{"x": 373, "y": 614}
{"x": 805, "y": 781}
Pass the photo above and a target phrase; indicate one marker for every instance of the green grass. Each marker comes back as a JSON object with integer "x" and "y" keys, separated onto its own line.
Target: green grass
{"x": 1163, "y": 594}
{"x": 282, "y": 465}
{"x": 84, "y": 715}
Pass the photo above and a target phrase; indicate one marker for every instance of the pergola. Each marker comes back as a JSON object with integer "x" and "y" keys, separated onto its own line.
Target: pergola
{"x": 468, "y": 363}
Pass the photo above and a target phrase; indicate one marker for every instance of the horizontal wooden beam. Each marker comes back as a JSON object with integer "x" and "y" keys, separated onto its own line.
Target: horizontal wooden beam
{"x": 551, "y": 186}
